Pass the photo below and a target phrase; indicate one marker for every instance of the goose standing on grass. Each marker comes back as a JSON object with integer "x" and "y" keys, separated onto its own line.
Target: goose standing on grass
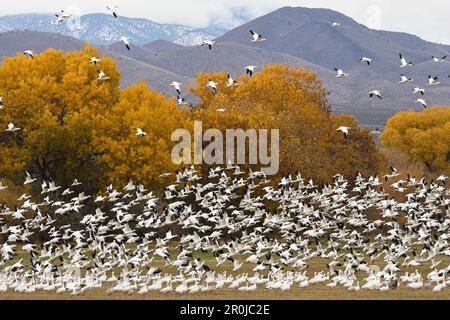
{"x": 12, "y": 128}
{"x": 375, "y": 93}
{"x": 221, "y": 110}
{"x": 344, "y": 130}
{"x": 102, "y": 76}
{"x": 419, "y": 91}
{"x": 405, "y": 79}
{"x": 404, "y": 62}
{"x": 250, "y": 70}
{"x": 208, "y": 43}
{"x": 439, "y": 60}
{"x": 126, "y": 42}
{"x": 1, "y": 103}
{"x": 423, "y": 102}
{"x": 29, "y": 53}
{"x": 257, "y": 37}
{"x": 113, "y": 10}
{"x": 140, "y": 132}
{"x": 433, "y": 81}
{"x": 340, "y": 73}
{"x": 366, "y": 60}
{"x": 2, "y": 187}
{"x": 177, "y": 86}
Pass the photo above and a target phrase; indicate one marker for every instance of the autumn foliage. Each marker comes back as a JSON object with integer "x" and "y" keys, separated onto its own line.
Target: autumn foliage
{"x": 423, "y": 136}
{"x": 76, "y": 126}
{"x": 293, "y": 101}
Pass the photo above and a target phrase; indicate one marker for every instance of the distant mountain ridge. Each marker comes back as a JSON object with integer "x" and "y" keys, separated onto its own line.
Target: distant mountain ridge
{"x": 298, "y": 37}
{"x": 104, "y": 29}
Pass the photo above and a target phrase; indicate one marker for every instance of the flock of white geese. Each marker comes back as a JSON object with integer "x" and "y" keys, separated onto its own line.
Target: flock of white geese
{"x": 229, "y": 230}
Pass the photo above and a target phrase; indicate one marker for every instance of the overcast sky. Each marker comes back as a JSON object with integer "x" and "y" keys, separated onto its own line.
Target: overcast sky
{"x": 427, "y": 19}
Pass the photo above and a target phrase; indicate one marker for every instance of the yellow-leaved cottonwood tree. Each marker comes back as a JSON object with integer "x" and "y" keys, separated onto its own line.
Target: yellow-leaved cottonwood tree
{"x": 295, "y": 102}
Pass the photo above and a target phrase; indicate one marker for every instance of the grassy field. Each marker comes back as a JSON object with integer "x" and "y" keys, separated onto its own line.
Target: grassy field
{"x": 313, "y": 292}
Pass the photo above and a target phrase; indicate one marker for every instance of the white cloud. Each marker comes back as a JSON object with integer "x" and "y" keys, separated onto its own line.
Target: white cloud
{"x": 427, "y": 19}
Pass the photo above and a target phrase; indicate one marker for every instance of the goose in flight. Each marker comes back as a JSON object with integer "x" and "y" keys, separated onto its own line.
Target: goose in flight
{"x": 419, "y": 91}
{"x": 335, "y": 24}
{"x": 113, "y": 10}
{"x": 177, "y": 86}
{"x": 63, "y": 16}
{"x": 439, "y": 60}
{"x": 28, "y": 179}
{"x": 404, "y": 62}
{"x": 212, "y": 85}
{"x": 257, "y": 37}
{"x": 340, "y": 73}
{"x": 208, "y": 43}
{"x": 230, "y": 81}
{"x": 344, "y": 130}
{"x": 366, "y": 60}
{"x": 95, "y": 60}
{"x": 181, "y": 101}
{"x": 126, "y": 42}
{"x": 102, "y": 76}
{"x": 433, "y": 81}
{"x": 140, "y": 132}
{"x": 250, "y": 70}
{"x": 375, "y": 93}
{"x": 423, "y": 102}
{"x": 404, "y": 79}
{"x": 29, "y": 53}
{"x": 12, "y": 128}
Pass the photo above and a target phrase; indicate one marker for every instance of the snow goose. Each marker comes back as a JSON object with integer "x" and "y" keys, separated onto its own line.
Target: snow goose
{"x": 140, "y": 132}
{"x": 177, "y": 86}
{"x": 404, "y": 79}
{"x": 375, "y": 93}
{"x": 126, "y": 42}
{"x": 439, "y": 60}
{"x": 344, "y": 130}
{"x": 113, "y": 10}
{"x": 208, "y": 43}
{"x": 366, "y": 60}
{"x": 213, "y": 85}
{"x": 95, "y": 60}
{"x": 250, "y": 70}
{"x": 12, "y": 128}
{"x": 404, "y": 62}
{"x": 419, "y": 91}
{"x": 423, "y": 102}
{"x": 340, "y": 73}
{"x": 29, "y": 53}
{"x": 181, "y": 101}
{"x": 433, "y": 81}
{"x": 102, "y": 76}
{"x": 230, "y": 81}
{"x": 257, "y": 37}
